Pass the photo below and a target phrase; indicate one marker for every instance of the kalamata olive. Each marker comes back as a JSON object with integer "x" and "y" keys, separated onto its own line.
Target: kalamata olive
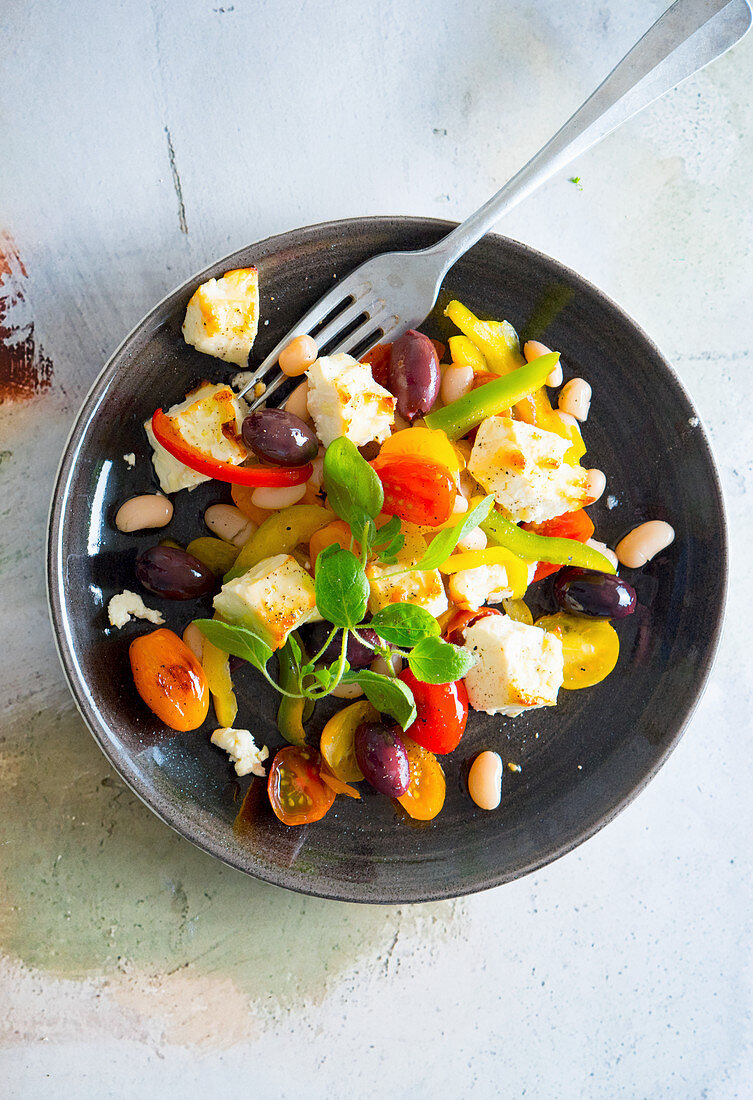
{"x": 277, "y": 436}
{"x": 589, "y": 592}
{"x": 382, "y": 758}
{"x": 172, "y": 573}
{"x": 413, "y": 375}
{"x": 359, "y": 656}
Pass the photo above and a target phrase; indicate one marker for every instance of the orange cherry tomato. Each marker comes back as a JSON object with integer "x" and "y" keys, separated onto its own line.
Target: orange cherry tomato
{"x": 336, "y": 532}
{"x": 169, "y": 679}
{"x": 441, "y": 713}
{"x": 427, "y": 788}
{"x": 296, "y": 790}
{"x": 570, "y": 525}
{"x": 416, "y": 490}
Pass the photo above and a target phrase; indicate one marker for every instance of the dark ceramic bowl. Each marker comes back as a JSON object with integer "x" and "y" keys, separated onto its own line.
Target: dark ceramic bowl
{"x": 581, "y": 762}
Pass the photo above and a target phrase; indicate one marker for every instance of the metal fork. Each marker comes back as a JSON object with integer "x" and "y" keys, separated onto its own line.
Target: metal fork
{"x": 395, "y": 291}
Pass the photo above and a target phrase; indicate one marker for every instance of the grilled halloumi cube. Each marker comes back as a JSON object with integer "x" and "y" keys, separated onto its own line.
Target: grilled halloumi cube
{"x": 423, "y": 587}
{"x": 210, "y": 418}
{"x": 472, "y": 588}
{"x": 523, "y": 467}
{"x": 222, "y": 317}
{"x": 344, "y": 399}
{"x": 518, "y": 667}
{"x": 271, "y": 599}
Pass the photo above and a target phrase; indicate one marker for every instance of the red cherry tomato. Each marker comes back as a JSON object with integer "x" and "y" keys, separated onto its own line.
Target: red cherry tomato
{"x": 442, "y": 713}
{"x": 295, "y": 787}
{"x": 570, "y": 525}
{"x": 462, "y": 619}
{"x": 416, "y": 490}
{"x": 379, "y": 361}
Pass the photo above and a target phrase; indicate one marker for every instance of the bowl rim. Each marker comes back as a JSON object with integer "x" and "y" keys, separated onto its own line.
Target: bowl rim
{"x": 348, "y": 891}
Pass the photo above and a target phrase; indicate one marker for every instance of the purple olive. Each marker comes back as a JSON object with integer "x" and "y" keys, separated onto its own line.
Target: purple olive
{"x": 382, "y": 758}
{"x": 589, "y": 592}
{"x": 358, "y": 655}
{"x": 278, "y": 436}
{"x": 413, "y": 375}
{"x": 173, "y": 574}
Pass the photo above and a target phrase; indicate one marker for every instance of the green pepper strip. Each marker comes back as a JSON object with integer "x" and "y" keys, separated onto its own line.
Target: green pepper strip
{"x": 493, "y": 398}
{"x": 527, "y": 544}
{"x": 292, "y": 712}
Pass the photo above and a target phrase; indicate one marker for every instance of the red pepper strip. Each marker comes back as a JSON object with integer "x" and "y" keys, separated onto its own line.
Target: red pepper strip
{"x": 572, "y": 525}
{"x": 170, "y": 438}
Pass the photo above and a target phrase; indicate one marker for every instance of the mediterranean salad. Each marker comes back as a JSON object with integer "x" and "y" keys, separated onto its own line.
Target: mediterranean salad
{"x": 385, "y": 528}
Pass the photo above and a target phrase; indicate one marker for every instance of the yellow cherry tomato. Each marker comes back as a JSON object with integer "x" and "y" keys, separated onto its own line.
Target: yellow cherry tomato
{"x": 337, "y": 745}
{"x": 427, "y": 788}
{"x": 429, "y": 443}
{"x": 590, "y": 647}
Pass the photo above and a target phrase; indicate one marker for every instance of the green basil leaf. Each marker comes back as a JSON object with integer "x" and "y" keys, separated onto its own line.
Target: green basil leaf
{"x": 388, "y": 695}
{"x": 295, "y": 650}
{"x": 237, "y": 640}
{"x": 342, "y": 590}
{"x": 445, "y": 542}
{"x": 387, "y": 533}
{"x": 353, "y": 489}
{"x": 404, "y": 624}
{"x": 437, "y": 662}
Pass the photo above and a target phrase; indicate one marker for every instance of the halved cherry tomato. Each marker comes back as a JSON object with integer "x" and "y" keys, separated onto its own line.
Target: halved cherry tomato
{"x": 337, "y": 742}
{"x": 379, "y": 361}
{"x": 416, "y": 490}
{"x": 590, "y": 646}
{"x": 295, "y": 788}
{"x": 169, "y": 679}
{"x": 426, "y": 443}
{"x": 427, "y": 788}
{"x": 462, "y": 619}
{"x": 442, "y": 713}
{"x": 570, "y": 525}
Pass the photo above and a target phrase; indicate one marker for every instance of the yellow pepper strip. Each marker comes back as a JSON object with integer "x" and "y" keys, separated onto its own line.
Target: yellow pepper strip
{"x": 428, "y": 443}
{"x": 517, "y": 568}
{"x": 216, "y": 664}
{"x": 498, "y": 342}
{"x": 518, "y": 610}
{"x": 465, "y": 354}
{"x": 217, "y": 554}
{"x": 280, "y": 533}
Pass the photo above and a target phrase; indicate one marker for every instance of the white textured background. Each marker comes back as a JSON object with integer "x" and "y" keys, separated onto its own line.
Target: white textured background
{"x": 142, "y": 140}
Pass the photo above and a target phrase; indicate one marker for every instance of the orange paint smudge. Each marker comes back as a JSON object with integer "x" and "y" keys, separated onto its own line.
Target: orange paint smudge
{"x": 24, "y": 368}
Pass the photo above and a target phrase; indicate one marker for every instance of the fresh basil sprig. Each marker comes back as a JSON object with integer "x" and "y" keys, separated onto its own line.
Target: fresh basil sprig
{"x": 387, "y": 694}
{"x": 238, "y": 640}
{"x": 404, "y": 624}
{"x": 353, "y": 489}
{"x": 442, "y": 545}
{"x": 435, "y": 661}
{"x": 342, "y": 590}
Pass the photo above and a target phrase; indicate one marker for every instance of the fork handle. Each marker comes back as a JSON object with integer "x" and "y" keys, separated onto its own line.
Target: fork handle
{"x": 689, "y": 35}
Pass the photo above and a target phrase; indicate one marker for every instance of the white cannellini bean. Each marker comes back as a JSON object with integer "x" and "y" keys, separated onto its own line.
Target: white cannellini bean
{"x": 140, "y": 513}
{"x": 457, "y": 381}
{"x": 534, "y": 349}
{"x": 596, "y": 483}
{"x": 272, "y": 497}
{"x": 297, "y": 402}
{"x": 194, "y": 639}
{"x": 379, "y": 665}
{"x": 644, "y": 542}
{"x": 603, "y": 549}
{"x": 229, "y": 523}
{"x": 298, "y": 356}
{"x": 317, "y": 474}
{"x": 474, "y": 540}
{"x": 575, "y": 398}
{"x": 347, "y": 691}
{"x": 485, "y": 780}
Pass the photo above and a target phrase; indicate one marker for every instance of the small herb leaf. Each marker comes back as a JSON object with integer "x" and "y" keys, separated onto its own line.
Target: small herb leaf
{"x": 388, "y": 695}
{"x": 436, "y": 662}
{"x": 404, "y": 624}
{"x": 341, "y": 587}
{"x": 445, "y": 542}
{"x": 237, "y": 640}
{"x": 353, "y": 489}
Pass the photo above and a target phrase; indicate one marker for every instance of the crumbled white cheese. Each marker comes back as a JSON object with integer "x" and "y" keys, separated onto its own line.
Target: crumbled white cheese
{"x": 210, "y": 418}
{"x": 130, "y": 459}
{"x": 129, "y": 605}
{"x": 523, "y": 467}
{"x": 271, "y": 599}
{"x": 242, "y": 750}
{"x": 518, "y": 667}
{"x": 240, "y": 380}
{"x": 344, "y": 399}
{"x": 222, "y": 317}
